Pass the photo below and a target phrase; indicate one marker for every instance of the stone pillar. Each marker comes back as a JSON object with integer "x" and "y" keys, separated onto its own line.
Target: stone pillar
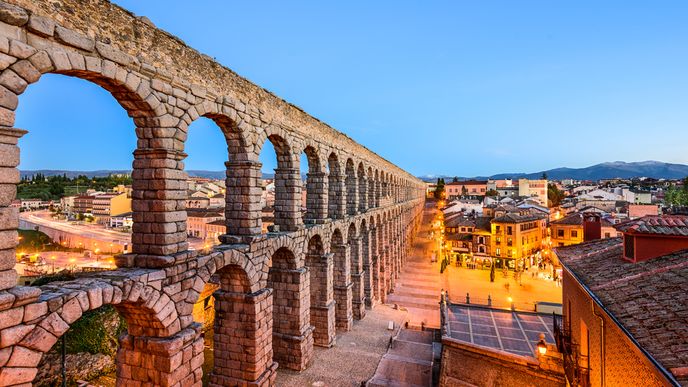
{"x": 343, "y": 287}
{"x": 367, "y": 271}
{"x": 158, "y": 202}
{"x": 371, "y": 192}
{"x": 292, "y": 333}
{"x": 377, "y": 280}
{"x": 242, "y": 205}
{"x": 9, "y": 216}
{"x": 243, "y": 339}
{"x": 288, "y": 199}
{"x": 322, "y": 298}
{"x": 166, "y": 361}
{"x": 357, "y": 278}
{"x": 316, "y": 198}
{"x": 385, "y": 271}
{"x": 336, "y": 197}
{"x": 351, "y": 194}
{"x": 362, "y": 193}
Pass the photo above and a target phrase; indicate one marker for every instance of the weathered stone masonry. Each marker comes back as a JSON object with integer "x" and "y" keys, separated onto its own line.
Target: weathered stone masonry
{"x": 280, "y": 293}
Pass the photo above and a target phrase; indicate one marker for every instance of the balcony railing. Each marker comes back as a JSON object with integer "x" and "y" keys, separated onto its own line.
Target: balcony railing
{"x": 576, "y": 366}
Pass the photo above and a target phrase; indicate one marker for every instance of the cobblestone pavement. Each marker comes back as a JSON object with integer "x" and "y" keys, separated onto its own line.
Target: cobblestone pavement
{"x": 418, "y": 288}
{"x": 355, "y": 356}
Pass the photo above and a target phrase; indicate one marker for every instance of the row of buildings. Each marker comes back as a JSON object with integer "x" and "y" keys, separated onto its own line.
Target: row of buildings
{"x": 524, "y": 188}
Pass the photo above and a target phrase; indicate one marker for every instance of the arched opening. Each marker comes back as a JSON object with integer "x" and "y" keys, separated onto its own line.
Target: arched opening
{"x": 206, "y": 193}
{"x": 292, "y": 333}
{"x": 76, "y": 206}
{"x": 362, "y": 189}
{"x": 351, "y": 188}
{"x": 336, "y": 193}
{"x": 314, "y": 197}
{"x": 281, "y": 201}
{"x": 96, "y": 327}
{"x": 321, "y": 268}
{"x": 242, "y": 334}
{"x": 342, "y": 282}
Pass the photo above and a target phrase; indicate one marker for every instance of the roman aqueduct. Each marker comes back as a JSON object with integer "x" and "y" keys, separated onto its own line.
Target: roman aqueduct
{"x": 280, "y": 293}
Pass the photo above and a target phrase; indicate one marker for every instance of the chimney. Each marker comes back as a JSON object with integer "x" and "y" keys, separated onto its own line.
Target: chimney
{"x": 592, "y": 226}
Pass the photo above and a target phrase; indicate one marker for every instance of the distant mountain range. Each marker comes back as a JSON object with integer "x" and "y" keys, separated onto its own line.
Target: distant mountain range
{"x": 610, "y": 170}
{"x": 616, "y": 169}
{"x": 105, "y": 172}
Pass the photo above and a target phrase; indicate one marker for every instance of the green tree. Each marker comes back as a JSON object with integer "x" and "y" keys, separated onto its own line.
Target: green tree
{"x": 544, "y": 175}
{"x": 492, "y": 192}
{"x": 455, "y": 179}
{"x": 439, "y": 188}
{"x": 554, "y": 195}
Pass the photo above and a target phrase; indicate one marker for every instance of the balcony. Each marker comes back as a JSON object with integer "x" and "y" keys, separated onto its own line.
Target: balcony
{"x": 576, "y": 366}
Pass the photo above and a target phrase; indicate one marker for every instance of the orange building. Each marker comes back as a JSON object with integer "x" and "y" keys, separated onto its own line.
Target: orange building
{"x": 463, "y": 188}
{"x": 625, "y": 314}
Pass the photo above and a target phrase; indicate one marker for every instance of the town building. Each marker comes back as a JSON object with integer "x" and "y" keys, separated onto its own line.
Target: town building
{"x": 106, "y": 205}
{"x": 83, "y": 204}
{"x": 640, "y": 210}
{"x": 625, "y": 317}
{"x": 533, "y": 188}
{"x": 197, "y": 222}
{"x": 571, "y": 229}
{"x": 516, "y": 238}
{"x": 465, "y": 188}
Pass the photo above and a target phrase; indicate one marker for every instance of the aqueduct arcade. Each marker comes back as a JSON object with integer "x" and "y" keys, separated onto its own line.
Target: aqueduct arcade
{"x": 280, "y": 293}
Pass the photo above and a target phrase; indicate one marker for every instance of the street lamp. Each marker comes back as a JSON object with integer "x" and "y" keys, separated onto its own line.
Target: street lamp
{"x": 541, "y": 345}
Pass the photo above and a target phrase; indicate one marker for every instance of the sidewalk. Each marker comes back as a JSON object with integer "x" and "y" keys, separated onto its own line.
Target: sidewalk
{"x": 419, "y": 286}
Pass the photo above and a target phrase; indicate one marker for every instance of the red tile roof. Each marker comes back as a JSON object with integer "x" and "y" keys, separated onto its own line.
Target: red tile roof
{"x": 656, "y": 224}
{"x": 647, "y": 298}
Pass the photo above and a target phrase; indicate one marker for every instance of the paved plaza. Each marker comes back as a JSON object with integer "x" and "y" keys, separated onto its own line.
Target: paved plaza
{"x": 418, "y": 289}
{"x": 354, "y": 358}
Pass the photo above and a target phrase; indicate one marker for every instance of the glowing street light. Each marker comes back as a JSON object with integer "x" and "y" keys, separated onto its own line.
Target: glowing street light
{"x": 542, "y": 345}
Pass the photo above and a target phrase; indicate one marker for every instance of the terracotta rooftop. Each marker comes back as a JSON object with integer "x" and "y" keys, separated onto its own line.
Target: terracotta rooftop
{"x": 576, "y": 219}
{"x": 516, "y": 218}
{"x": 647, "y": 298}
{"x": 654, "y": 224}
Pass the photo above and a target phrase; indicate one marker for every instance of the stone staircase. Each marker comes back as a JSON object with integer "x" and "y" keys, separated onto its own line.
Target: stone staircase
{"x": 408, "y": 361}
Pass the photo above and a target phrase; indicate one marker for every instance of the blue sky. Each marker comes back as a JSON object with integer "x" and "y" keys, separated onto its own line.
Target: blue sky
{"x": 443, "y": 87}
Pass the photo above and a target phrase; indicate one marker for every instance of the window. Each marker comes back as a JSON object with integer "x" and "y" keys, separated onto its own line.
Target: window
{"x": 498, "y": 251}
{"x": 509, "y": 242}
{"x": 607, "y": 235}
{"x": 508, "y": 230}
{"x": 497, "y": 229}
{"x": 560, "y": 233}
{"x": 481, "y": 239}
{"x": 574, "y": 233}
{"x": 498, "y": 240}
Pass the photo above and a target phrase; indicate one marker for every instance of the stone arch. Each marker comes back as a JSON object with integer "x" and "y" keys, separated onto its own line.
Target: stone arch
{"x": 241, "y": 170}
{"x": 143, "y": 307}
{"x": 316, "y": 187}
{"x": 336, "y": 194}
{"x": 287, "y": 207}
{"x": 134, "y": 94}
{"x": 351, "y": 188}
{"x": 342, "y": 281}
{"x": 292, "y": 333}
